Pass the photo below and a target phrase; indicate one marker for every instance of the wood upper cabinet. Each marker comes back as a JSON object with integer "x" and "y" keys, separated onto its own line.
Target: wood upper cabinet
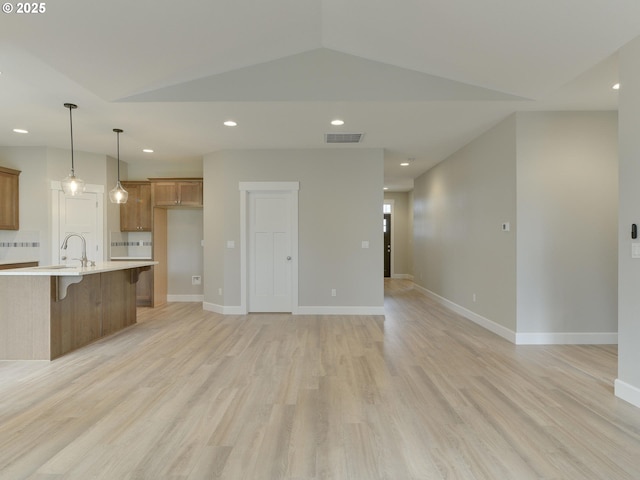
{"x": 176, "y": 192}
{"x": 135, "y": 215}
{"x": 9, "y": 199}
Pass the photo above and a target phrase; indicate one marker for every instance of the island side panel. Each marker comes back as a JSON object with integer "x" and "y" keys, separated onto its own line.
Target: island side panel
{"x": 118, "y": 300}
{"x": 24, "y": 317}
{"x": 76, "y": 320}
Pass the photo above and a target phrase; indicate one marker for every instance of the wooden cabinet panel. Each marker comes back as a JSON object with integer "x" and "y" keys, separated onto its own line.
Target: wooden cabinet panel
{"x": 76, "y": 321}
{"x": 9, "y": 199}
{"x": 165, "y": 194}
{"x": 190, "y": 193}
{"x": 9, "y": 266}
{"x": 135, "y": 215}
{"x": 118, "y": 307}
{"x": 172, "y": 192}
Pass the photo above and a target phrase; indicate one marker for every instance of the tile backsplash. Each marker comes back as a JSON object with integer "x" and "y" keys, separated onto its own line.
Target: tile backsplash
{"x": 19, "y": 245}
{"x": 130, "y": 244}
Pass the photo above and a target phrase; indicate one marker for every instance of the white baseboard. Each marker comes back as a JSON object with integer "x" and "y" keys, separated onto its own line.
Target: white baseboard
{"x": 340, "y": 310}
{"x": 490, "y": 325}
{"x": 185, "y": 298}
{"x": 567, "y": 338}
{"x": 222, "y": 309}
{"x": 237, "y": 310}
{"x": 627, "y": 392}
{"x": 536, "y": 338}
{"x": 403, "y": 276}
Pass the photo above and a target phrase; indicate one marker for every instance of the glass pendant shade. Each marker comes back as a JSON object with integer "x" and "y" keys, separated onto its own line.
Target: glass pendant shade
{"x": 72, "y": 185}
{"x": 118, "y": 194}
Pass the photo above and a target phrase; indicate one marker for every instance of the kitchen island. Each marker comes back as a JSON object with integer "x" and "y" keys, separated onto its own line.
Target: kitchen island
{"x": 48, "y": 311}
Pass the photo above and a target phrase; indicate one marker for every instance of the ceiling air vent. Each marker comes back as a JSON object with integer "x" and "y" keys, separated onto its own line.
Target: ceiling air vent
{"x": 343, "y": 137}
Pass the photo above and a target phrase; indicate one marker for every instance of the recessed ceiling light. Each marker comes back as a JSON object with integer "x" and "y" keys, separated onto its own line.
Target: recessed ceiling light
{"x": 147, "y": 150}
{"x": 230, "y": 123}
{"x": 385, "y": 188}
{"x": 20, "y": 130}
{"x": 616, "y": 86}
{"x": 404, "y": 164}
{"x": 337, "y": 122}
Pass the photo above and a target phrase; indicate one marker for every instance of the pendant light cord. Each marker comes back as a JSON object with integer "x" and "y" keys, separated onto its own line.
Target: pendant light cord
{"x": 118, "y": 132}
{"x": 118, "y": 137}
{"x": 70, "y": 106}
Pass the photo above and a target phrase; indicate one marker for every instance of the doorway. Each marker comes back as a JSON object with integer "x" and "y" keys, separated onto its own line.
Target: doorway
{"x": 269, "y": 246}
{"x": 386, "y": 228}
{"x": 82, "y": 214}
{"x": 387, "y": 232}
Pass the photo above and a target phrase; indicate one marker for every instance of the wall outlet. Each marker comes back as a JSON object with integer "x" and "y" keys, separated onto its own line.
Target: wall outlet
{"x": 196, "y": 280}
{"x": 333, "y": 292}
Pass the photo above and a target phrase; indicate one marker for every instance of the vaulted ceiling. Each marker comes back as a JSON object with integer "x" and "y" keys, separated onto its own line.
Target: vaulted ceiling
{"x": 418, "y": 78}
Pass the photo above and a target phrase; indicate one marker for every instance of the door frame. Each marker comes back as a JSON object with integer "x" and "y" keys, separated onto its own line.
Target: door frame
{"x": 246, "y": 188}
{"x": 56, "y": 188}
{"x": 391, "y": 202}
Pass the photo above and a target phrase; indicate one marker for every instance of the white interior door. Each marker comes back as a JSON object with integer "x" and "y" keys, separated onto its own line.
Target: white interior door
{"x": 82, "y": 215}
{"x": 270, "y": 252}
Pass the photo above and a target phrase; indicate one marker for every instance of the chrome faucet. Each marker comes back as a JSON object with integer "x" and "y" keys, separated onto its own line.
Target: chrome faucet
{"x": 84, "y": 260}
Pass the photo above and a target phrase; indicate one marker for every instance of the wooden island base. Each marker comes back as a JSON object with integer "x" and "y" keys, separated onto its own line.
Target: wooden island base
{"x": 36, "y": 324}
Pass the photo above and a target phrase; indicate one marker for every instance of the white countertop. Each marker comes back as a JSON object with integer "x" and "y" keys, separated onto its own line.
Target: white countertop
{"x": 130, "y": 258}
{"x": 65, "y": 271}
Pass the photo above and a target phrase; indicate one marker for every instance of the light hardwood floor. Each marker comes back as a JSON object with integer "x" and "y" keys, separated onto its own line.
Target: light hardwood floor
{"x": 418, "y": 394}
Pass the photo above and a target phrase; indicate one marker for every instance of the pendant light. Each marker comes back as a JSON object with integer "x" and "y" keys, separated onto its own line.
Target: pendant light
{"x": 118, "y": 194}
{"x": 72, "y": 185}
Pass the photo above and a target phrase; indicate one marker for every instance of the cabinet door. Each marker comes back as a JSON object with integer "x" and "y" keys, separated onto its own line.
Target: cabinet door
{"x": 190, "y": 193}
{"x": 135, "y": 215}
{"x": 128, "y": 211}
{"x": 144, "y": 207}
{"x": 165, "y": 193}
{"x": 9, "y": 199}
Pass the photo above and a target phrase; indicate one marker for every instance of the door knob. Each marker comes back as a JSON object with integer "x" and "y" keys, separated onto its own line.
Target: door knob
{"x": 288, "y": 258}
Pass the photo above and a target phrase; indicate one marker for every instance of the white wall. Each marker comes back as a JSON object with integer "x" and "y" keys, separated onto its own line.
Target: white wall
{"x": 340, "y": 205}
{"x": 459, "y": 207}
{"x": 628, "y": 382}
{"x": 567, "y": 225}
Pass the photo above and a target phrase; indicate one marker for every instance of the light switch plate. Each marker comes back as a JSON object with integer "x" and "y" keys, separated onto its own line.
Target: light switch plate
{"x": 231, "y": 244}
{"x": 365, "y": 244}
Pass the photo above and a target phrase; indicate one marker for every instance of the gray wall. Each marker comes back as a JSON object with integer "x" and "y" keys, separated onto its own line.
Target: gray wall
{"x": 459, "y": 207}
{"x": 340, "y": 204}
{"x": 553, "y": 177}
{"x": 40, "y": 166}
{"x": 184, "y": 251}
{"x": 628, "y": 383}
{"x": 181, "y": 168}
{"x": 567, "y": 222}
